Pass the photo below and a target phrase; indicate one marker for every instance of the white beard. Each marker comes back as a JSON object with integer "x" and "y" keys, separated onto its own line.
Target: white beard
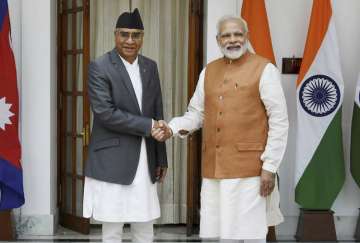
{"x": 234, "y": 54}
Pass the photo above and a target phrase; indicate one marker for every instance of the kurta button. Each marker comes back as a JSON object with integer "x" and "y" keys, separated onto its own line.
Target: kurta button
{"x": 220, "y": 113}
{"x": 217, "y": 146}
{"x": 218, "y": 129}
{"x": 221, "y": 97}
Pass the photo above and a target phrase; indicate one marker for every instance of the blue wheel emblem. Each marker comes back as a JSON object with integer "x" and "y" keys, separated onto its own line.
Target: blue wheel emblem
{"x": 319, "y": 95}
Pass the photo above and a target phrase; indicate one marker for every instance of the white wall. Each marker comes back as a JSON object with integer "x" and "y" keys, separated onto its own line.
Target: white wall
{"x": 34, "y": 41}
{"x": 288, "y": 22}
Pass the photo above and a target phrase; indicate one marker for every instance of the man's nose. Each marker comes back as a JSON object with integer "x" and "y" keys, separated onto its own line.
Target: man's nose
{"x": 232, "y": 38}
{"x": 130, "y": 40}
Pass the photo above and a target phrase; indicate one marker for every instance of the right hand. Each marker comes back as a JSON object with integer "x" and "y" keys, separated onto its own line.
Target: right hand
{"x": 161, "y": 131}
{"x": 267, "y": 183}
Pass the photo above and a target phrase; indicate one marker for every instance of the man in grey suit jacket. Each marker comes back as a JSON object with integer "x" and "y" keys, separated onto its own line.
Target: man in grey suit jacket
{"x": 124, "y": 161}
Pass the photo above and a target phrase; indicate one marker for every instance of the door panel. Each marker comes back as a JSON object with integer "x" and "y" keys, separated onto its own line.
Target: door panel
{"x": 74, "y": 108}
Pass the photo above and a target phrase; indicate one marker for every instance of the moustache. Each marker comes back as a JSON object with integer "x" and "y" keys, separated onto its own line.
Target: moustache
{"x": 231, "y": 47}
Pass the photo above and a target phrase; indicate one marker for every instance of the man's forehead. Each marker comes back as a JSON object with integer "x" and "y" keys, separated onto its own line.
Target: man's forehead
{"x": 129, "y": 30}
{"x": 231, "y": 26}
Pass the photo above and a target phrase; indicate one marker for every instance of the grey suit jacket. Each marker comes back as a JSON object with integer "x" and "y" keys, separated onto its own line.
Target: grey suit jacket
{"x": 119, "y": 124}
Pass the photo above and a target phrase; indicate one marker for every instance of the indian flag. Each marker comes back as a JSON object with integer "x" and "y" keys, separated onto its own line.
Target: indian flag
{"x": 355, "y": 137}
{"x": 319, "y": 169}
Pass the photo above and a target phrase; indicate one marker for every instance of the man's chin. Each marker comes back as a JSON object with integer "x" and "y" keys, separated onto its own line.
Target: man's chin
{"x": 128, "y": 55}
{"x": 233, "y": 55}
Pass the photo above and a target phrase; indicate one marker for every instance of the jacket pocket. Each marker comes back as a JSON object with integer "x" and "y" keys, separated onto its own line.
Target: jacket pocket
{"x": 107, "y": 144}
{"x": 250, "y": 147}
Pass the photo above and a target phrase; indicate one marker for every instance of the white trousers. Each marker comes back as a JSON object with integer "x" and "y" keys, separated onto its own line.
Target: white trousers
{"x": 141, "y": 232}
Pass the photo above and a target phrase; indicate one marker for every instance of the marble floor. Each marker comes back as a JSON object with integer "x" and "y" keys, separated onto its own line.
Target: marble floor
{"x": 163, "y": 234}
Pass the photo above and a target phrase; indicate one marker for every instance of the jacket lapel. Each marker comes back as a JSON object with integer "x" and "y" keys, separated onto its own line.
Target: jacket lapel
{"x": 125, "y": 78}
{"x": 144, "y": 74}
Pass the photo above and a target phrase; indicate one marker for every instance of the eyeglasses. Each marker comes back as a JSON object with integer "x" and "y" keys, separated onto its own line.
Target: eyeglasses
{"x": 126, "y": 35}
{"x": 228, "y": 35}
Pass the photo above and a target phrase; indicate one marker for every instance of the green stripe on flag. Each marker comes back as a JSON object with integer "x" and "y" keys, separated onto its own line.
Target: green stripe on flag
{"x": 355, "y": 145}
{"x": 325, "y": 174}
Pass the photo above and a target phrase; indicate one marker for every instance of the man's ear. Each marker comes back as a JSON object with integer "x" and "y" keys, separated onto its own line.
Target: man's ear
{"x": 247, "y": 35}
{"x": 218, "y": 39}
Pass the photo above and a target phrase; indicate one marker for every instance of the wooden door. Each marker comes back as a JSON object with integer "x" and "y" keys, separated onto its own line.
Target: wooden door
{"x": 74, "y": 111}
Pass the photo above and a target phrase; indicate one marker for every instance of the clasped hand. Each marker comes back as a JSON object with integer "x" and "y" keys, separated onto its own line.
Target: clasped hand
{"x": 161, "y": 131}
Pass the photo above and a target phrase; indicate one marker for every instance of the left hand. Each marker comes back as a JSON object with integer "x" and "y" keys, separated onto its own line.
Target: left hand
{"x": 160, "y": 173}
{"x": 267, "y": 183}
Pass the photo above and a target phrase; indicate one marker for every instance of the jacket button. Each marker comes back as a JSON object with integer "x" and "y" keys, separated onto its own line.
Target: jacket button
{"x": 217, "y": 146}
{"x": 221, "y": 97}
{"x": 218, "y": 129}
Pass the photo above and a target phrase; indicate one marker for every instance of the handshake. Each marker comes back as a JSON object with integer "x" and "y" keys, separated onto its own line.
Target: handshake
{"x": 161, "y": 131}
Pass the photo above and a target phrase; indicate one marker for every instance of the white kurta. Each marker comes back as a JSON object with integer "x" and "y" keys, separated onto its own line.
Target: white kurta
{"x": 232, "y": 209}
{"x": 230, "y": 193}
{"x": 138, "y": 202}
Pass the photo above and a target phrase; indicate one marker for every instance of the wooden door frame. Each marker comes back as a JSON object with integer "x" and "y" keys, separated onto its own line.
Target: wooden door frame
{"x": 195, "y": 65}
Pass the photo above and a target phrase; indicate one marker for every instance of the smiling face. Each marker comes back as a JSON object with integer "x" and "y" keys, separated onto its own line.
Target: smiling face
{"x": 232, "y": 39}
{"x": 128, "y": 43}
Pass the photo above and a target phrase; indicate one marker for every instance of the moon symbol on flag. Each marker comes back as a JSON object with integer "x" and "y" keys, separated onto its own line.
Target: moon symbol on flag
{"x": 319, "y": 95}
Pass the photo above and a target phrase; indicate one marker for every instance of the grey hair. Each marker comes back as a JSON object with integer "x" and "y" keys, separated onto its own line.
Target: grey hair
{"x": 232, "y": 18}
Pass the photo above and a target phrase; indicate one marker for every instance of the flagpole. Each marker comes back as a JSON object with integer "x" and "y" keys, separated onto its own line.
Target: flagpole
{"x": 6, "y": 232}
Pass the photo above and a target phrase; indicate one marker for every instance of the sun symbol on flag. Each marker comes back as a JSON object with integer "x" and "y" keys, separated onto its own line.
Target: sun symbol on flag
{"x": 5, "y": 113}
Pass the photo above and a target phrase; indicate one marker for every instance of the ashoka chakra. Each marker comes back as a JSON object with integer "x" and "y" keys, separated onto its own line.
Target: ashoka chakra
{"x": 319, "y": 95}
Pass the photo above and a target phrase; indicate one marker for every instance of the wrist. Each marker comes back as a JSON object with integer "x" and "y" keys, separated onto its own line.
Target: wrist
{"x": 268, "y": 172}
{"x": 171, "y": 132}
{"x": 155, "y": 124}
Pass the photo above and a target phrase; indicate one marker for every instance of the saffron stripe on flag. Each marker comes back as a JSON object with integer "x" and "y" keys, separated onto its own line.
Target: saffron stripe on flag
{"x": 254, "y": 12}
